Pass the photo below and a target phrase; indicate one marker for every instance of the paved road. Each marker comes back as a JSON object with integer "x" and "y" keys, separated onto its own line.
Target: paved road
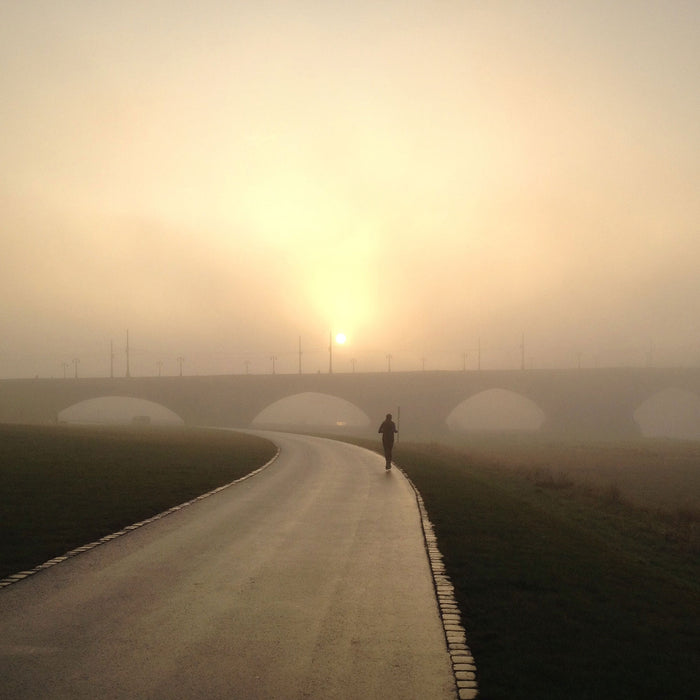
{"x": 309, "y": 580}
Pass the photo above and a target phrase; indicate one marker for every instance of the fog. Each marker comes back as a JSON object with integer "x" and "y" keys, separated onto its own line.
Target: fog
{"x": 446, "y": 183}
{"x": 312, "y": 410}
{"x": 496, "y": 409}
{"x": 119, "y": 410}
{"x": 673, "y": 413}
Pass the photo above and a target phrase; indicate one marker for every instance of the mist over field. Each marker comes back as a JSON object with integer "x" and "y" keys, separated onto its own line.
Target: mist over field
{"x": 446, "y": 183}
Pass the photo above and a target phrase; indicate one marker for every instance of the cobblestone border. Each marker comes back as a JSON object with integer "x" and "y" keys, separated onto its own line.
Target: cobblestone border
{"x": 463, "y": 665}
{"x": 14, "y": 578}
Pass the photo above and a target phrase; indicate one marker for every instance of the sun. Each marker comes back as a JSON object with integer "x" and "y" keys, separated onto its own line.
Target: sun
{"x": 340, "y": 338}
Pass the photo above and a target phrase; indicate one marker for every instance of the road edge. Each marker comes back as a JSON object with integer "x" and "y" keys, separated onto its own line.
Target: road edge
{"x": 21, "y": 575}
{"x": 463, "y": 664}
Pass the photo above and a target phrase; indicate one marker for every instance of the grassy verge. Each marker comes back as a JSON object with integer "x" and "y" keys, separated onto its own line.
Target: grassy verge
{"x": 566, "y": 591}
{"x": 65, "y": 486}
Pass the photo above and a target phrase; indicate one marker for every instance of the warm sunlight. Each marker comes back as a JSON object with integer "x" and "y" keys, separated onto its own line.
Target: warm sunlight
{"x": 340, "y": 338}
{"x": 338, "y": 279}
{"x": 319, "y": 185}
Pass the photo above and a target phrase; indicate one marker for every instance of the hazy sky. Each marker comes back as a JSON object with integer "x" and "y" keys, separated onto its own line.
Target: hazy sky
{"x": 224, "y": 177}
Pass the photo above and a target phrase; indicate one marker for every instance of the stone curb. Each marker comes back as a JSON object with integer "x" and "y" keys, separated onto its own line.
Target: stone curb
{"x": 463, "y": 666}
{"x": 21, "y": 575}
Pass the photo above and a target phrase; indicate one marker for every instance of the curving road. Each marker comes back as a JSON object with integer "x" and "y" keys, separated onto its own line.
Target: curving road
{"x": 309, "y": 580}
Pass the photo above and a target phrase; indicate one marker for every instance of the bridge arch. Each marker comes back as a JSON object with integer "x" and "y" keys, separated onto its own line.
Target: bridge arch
{"x": 312, "y": 409}
{"x": 115, "y": 410}
{"x": 496, "y": 409}
{"x": 671, "y": 412}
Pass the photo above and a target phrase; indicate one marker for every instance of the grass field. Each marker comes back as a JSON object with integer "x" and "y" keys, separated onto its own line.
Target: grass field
{"x": 651, "y": 472}
{"x": 569, "y": 587}
{"x": 577, "y": 566}
{"x": 63, "y": 487}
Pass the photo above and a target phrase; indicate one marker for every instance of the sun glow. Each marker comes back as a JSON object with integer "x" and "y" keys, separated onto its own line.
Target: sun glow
{"x": 339, "y": 276}
{"x": 340, "y": 338}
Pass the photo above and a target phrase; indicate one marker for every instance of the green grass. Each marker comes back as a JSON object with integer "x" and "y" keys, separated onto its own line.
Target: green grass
{"x": 566, "y": 590}
{"x": 63, "y": 487}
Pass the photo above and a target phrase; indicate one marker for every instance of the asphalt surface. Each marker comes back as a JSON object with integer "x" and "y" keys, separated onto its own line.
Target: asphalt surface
{"x": 309, "y": 580}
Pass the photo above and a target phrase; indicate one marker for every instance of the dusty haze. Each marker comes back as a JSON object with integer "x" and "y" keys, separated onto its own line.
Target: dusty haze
{"x": 224, "y": 178}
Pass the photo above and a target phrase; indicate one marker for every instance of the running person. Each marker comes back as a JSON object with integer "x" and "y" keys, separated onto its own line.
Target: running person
{"x": 388, "y": 429}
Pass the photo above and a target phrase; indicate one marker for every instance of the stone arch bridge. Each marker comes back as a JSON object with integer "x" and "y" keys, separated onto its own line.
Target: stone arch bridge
{"x": 594, "y": 402}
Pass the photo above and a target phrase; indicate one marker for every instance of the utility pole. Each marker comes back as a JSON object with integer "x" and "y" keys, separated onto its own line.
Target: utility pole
{"x": 160, "y": 367}
{"x": 464, "y": 362}
{"x": 353, "y": 361}
{"x": 180, "y": 360}
{"x": 388, "y": 362}
{"x": 247, "y": 366}
{"x": 111, "y": 359}
{"x": 478, "y": 363}
{"x": 65, "y": 368}
{"x": 522, "y": 352}
{"x": 75, "y": 364}
{"x": 299, "y": 354}
{"x": 273, "y": 358}
{"x": 330, "y": 353}
{"x": 128, "y": 366}
{"x": 422, "y": 360}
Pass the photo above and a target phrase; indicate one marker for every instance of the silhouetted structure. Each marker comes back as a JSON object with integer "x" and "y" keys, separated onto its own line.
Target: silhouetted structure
{"x": 585, "y": 402}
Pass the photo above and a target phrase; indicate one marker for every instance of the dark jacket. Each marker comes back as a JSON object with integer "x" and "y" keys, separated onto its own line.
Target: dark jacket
{"x": 387, "y": 429}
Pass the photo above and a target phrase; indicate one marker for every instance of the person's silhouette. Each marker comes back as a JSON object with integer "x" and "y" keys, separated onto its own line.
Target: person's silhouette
{"x": 388, "y": 429}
